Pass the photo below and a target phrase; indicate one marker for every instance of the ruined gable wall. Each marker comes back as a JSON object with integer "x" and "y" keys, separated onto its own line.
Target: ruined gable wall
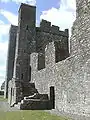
{"x": 46, "y": 34}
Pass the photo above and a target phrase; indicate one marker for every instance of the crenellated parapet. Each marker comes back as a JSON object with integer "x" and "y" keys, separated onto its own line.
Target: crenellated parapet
{"x": 45, "y": 26}
{"x": 45, "y": 34}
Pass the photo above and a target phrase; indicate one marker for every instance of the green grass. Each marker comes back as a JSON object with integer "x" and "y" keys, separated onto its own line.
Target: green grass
{"x": 29, "y": 115}
{"x": 2, "y": 98}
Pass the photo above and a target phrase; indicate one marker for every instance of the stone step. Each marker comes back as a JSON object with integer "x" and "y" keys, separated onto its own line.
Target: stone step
{"x": 38, "y": 96}
{"x": 17, "y": 105}
{"x": 35, "y": 104}
{"x": 29, "y": 91}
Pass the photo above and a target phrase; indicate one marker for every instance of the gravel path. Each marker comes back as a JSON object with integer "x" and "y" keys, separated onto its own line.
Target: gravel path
{"x": 4, "y": 106}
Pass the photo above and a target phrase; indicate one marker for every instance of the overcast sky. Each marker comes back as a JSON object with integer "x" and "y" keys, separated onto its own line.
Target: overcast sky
{"x": 59, "y": 12}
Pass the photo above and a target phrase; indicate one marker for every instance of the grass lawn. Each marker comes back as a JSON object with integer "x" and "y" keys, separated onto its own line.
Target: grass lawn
{"x": 2, "y": 98}
{"x": 29, "y": 115}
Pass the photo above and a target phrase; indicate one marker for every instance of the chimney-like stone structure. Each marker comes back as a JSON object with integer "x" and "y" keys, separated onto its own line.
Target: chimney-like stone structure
{"x": 25, "y": 43}
{"x": 10, "y": 57}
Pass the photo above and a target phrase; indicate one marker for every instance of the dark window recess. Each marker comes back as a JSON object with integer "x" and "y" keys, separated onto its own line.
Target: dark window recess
{"x": 61, "y": 53}
{"x": 11, "y": 96}
{"x": 21, "y": 76}
{"x": 52, "y": 97}
{"x": 21, "y": 18}
{"x": 13, "y": 92}
{"x": 41, "y": 61}
{"x": 29, "y": 73}
{"x": 27, "y": 27}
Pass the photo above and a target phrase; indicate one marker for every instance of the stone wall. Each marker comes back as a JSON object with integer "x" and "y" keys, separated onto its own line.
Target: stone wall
{"x": 70, "y": 78}
{"x": 70, "y": 75}
{"x": 80, "y": 43}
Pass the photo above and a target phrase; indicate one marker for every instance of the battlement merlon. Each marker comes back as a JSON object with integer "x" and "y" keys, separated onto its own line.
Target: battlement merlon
{"x": 45, "y": 26}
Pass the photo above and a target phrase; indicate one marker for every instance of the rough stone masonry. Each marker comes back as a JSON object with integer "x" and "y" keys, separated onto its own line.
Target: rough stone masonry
{"x": 42, "y": 57}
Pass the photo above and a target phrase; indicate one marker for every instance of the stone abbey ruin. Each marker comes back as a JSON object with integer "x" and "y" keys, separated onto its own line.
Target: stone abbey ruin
{"x": 41, "y": 73}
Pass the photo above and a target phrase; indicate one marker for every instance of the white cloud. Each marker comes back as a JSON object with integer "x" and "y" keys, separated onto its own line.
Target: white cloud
{"x": 4, "y": 30}
{"x": 1, "y": 22}
{"x": 3, "y": 58}
{"x": 64, "y": 16}
{"x": 31, "y": 2}
{"x": 12, "y": 18}
{"x": 68, "y": 4}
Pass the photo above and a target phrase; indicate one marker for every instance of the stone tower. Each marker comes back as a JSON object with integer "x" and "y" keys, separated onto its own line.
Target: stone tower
{"x": 10, "y": 57}
{"x": 25, "y": 43}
